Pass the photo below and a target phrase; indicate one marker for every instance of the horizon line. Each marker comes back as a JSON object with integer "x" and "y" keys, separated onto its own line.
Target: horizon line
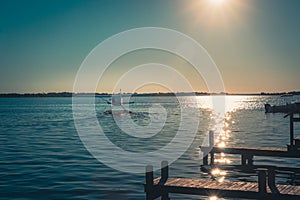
{"x": 65, "y": 93}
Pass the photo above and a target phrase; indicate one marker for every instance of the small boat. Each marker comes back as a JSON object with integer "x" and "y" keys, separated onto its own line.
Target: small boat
{"x": 288, "y": 108}
{"x": 117, "y": 100}
{"x": 287, "y": 95}
{"x": 130, "y": 102}
{"x": 117, "y": 107}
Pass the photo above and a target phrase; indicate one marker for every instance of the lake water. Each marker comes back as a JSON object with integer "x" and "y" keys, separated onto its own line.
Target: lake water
{"x": 42, "y": 156}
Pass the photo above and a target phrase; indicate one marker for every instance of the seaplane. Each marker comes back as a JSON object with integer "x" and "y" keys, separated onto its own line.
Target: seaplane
{"x": 117, "y": 100}
{"x": 117, "y": 105}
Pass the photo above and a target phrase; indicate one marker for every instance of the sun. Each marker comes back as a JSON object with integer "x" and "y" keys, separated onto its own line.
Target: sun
{"x": 217, "y": 1}
{"x": 218, "y": 14}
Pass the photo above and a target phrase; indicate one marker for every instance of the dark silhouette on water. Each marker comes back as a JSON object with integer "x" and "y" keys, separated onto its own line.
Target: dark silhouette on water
{"x": 117, "y": 107}
{"x": 290, "y": 107}
{"x": 264, "y": 189}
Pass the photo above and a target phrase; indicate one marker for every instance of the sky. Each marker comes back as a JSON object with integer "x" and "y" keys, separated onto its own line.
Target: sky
{"x": 254, "y": 43}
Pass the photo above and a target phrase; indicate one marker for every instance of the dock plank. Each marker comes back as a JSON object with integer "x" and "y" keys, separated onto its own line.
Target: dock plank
{"x": 225, "y": 188}
{"x": 208, "y": 184}
{"x": 257, "y": 151}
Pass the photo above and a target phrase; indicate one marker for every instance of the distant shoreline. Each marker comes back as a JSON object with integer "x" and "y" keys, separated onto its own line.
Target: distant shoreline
{"x": 70, "y": 94}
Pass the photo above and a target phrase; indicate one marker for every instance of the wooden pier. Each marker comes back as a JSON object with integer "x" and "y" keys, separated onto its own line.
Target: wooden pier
{"x": 247, "y": 153}
{"x": 264, "y": 189}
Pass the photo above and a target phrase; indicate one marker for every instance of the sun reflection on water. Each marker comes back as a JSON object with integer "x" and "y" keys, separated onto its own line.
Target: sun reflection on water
{"x": 213, "y": 198}
{"x": 220, "y": 141}
{"x": 221, "y": 122}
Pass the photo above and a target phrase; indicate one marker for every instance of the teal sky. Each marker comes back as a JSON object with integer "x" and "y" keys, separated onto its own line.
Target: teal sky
{"x": 255, "y": 43}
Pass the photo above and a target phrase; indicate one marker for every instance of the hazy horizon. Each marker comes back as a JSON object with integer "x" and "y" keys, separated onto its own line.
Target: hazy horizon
{"x": 254, "y": 43}
{"x": 141, "y": 93}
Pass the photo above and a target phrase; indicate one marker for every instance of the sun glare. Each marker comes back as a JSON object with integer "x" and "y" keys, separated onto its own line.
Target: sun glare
{"x": 223, "y": 14}
{"x": 217, "y": 1}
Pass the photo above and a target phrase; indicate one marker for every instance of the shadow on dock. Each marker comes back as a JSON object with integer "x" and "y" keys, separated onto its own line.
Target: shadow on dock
{"x": 264, "y": 189}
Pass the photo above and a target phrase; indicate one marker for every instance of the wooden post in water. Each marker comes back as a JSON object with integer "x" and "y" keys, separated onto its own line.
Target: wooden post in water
{"x": 250, "y": 160}
{"x": 205, "y": 159}
{"x": 164, "y": 178}
{"x": 211, "y": 146}
{"x": 207, "y": 150}
{"x": 247, "y": 159}
{"x": 292, "y": 129}
{"x": 271, "y": 180}
{"x": 211, "y": 139}
{"x": 164, "y": 170}
{"x": 262, "y": 182}
{"x": 149, "y": 182}
{"x": 244, "y": 160}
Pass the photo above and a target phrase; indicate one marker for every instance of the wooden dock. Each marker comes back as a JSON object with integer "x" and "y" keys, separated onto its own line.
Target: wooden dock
{"x": 265, "y": 189}
{"x": 247, "y": 153}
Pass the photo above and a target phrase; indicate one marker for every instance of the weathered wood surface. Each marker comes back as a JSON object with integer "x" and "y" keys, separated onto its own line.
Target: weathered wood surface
{"x": 265, "y": 188}
{"x": 256, "y": 151}
{"x": 247, "y": 153}
{"x": 296, "y": 119}
{"x": 252, "y": 168}
{"x": 223, "y": 189}
{"x": 297, "y": 141}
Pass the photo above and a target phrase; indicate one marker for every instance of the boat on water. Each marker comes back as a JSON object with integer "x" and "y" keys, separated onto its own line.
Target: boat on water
{"x": 288, "y": 108}
{"x": 117, "y": 100}
{"x": 287, "y": 95}
{"x": 117, "y": 107}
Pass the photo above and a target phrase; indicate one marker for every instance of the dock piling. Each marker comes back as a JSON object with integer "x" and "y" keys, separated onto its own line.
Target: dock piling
{"x": 291, "y": 129}
{"x": 207, "y": 150}
{"x": 205, "y": 160}
{"x": 271, "y": 180}
{"x": 164, "y": 178}
{"x": 211, "y": 139}
{"x": 211, "y": 146}
{"x": 262, "y": 183}
{"x": 244, "y": 159}
{"x": 155, "y": 191}
{"x": 157, "y": 188}
{"x": 149, "y": 182}
{"x": 247, "y": 159}
{"x": 164, "y": 170}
